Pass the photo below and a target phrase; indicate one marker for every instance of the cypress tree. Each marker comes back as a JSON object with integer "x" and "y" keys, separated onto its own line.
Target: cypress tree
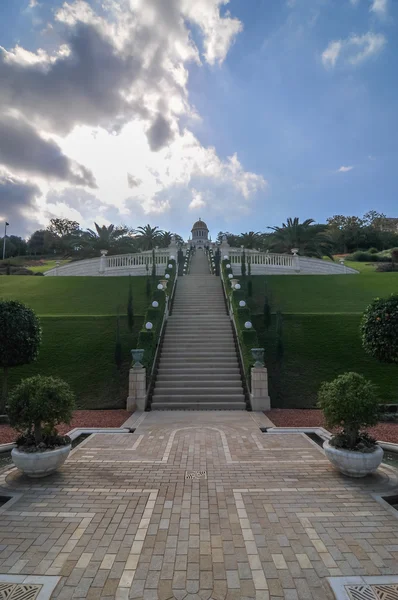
{"x": 130, "y": 309}
{"x": 118, "y": 346}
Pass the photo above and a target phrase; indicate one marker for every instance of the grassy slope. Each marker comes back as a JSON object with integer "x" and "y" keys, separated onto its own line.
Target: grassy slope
{"x": 321, "y": 333}
{"x": 81, "y": 351}
{"x": 74, "y": 295}
{"x": 322, "y": 294}
{"x": 79, "y": 331}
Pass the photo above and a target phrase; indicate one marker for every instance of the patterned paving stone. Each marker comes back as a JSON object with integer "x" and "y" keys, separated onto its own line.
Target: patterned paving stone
{"x": 261, "y": 516}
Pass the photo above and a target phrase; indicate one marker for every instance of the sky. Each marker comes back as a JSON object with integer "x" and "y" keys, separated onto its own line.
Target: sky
{"x": 241, "y": 112}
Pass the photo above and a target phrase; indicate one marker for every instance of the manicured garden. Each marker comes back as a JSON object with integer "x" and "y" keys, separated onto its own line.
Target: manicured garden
{"x": 321, "y": 339}
{"x": 78, "y": 316}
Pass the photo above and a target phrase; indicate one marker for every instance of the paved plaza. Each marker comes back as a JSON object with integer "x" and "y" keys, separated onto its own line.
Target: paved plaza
{"x": 198, "y": 506}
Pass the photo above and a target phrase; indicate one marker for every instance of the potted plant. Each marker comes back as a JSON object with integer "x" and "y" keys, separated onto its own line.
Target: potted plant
{"x": 36, "y": 406}
{"x": 350, "y": 403}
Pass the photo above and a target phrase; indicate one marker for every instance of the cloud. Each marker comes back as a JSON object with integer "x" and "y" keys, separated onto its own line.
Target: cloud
{"x": 113, "y": 96}
{"x": 197, "y": 201}
{"x": 353, "y": 50}
{"x": 160, "y": 133}
{"x": 379, "y": 7}
{"x": 22, "y": 149}
{"x": 344, "y": 169}
{"x": 133, "y": 181}
{"x": 18, "y": 203}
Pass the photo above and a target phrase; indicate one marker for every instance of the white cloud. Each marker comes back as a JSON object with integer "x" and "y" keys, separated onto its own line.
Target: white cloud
{"x": 354, "y": 2}
{"x": 353, "y": 50}
{"x": 197, "y": 201}
{"x": 112, "y": 97}
{"x": 379, "y": 7}
{"x": 344, "y": 169}
{"x": 331, "y": 54}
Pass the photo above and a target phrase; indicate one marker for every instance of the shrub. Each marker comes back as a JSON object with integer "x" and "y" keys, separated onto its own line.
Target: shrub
{"x": 36, "y": 406}
{"x": 373, "y": 250}
{"x": 350, "y": 402}
{"x": 364, "y": 257}
{"x": 20, "y": 339}
{"x": 386, "y": 267}
{"x": 379, "y": 329}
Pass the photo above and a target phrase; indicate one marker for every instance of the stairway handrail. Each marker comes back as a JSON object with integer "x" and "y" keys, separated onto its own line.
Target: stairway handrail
{"x": 231, "y": 315}
{"x": 152, "y": 376}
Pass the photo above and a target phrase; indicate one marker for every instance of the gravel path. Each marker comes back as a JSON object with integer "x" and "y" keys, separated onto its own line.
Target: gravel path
{"x": 81, "y": 418}
{"x": 386, "y": 432}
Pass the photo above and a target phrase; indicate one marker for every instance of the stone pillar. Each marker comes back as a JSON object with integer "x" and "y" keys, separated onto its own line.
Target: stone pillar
{"x": 296, "y": 260}
{"x": 137, "y": 389}
{"x": 173, "y": 248}
{"x": 259, "y": 394}
{"x": 225, "y": 247}
{"x": 103, "y": 261}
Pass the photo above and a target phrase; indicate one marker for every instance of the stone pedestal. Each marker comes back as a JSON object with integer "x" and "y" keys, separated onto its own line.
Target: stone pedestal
{"x": 137, "y": 389}
{"x": 259, "y": 395}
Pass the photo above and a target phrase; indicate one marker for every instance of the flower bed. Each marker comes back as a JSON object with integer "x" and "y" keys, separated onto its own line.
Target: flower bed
{"x": 81, "y": 418}
{"x": 386, "y": 432}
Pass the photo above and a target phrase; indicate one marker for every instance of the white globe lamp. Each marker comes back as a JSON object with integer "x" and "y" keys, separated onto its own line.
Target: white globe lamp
{"x": 248, "y": 325}
{"x": 167, "y": 276}
{"x": 170, "y": 266}
{"x": 237, "y": 286}
{"x": 228, "y": 266}
{"x": 230, "y": 276}
{"x": 148, "y": 325}
{"x": 242, "y": 303}
{"x": 225, "y": 257}
{"x": 160, "y": 287}
{"x": 172, "y": 257}
{"x": 155, "y": 304}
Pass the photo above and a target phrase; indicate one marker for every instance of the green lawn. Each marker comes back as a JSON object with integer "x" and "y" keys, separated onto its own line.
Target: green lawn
{"x": 323, "y": 294}
{"x": 81, "y": 351}
{"x": 75, "y": 295}
{"x": 78, "y": 316}
{"x": 317, "y": 348}
{"x": 321, "y": 332}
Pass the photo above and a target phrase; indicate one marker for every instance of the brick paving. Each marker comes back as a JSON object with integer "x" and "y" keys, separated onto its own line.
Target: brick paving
{"x": 269, "y": 518}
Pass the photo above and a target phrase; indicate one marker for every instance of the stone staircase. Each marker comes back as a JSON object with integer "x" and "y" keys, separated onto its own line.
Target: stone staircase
{"x": 198, "y": 366}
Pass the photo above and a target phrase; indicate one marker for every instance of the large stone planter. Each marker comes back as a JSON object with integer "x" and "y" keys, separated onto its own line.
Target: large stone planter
{"x": 40, "y": 464}
{"x": 354, "y": 464}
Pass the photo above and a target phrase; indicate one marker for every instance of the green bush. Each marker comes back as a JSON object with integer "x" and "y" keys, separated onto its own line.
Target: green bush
{"x": 364, "y": 257}
{"x": 379, "y": 328}
{"x": 37, "y": 405}
{"x": 350, "y": 402}
{"x": 20, "y": 339}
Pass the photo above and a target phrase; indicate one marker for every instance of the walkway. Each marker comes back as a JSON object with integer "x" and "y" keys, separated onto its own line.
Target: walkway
{"x": 199, "y": 506}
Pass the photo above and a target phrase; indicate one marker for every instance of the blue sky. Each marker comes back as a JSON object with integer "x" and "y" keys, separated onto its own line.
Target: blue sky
{"x": 302, "y": 94}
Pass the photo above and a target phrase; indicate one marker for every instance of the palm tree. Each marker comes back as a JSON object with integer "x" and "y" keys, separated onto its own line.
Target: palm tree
{"x": 250, "y": 240}
{"x": 149, "y": 237}
{"x": 309, "y": 239}
{"x": 165, "y": 239}
{"x": 114, "y": 239}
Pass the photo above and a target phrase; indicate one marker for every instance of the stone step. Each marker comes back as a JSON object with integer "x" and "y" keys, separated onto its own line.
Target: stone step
{"x": 198, "y": 406}
{"x": 198, "y": 397}
{"x": 204, "y": 362}
{"x": 200, "y": 377}
{"x": 198, "y": 370}
{"x": 200, "y": 385}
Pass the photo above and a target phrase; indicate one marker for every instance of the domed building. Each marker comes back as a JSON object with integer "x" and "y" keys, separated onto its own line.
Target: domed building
{"x": 200, "y": 234}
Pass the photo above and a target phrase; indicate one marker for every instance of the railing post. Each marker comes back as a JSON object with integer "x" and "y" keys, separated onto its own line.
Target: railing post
{"x": 259, "y": 397}
{"x": 103, "y": 261}
{"x": 137, "y": 389}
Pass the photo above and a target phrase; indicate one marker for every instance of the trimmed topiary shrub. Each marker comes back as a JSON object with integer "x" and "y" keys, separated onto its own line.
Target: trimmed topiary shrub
{"x": 379, "y": 329}
{"x": 20, "y": 339}
{"x": 350, "y": 402}
{"x": 36, "y": 406}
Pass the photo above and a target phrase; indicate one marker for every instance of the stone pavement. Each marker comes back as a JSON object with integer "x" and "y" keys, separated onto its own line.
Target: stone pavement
{"x": 197, "y": 506}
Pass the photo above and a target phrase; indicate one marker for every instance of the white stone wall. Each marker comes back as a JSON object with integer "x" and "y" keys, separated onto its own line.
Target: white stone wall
{"x": 306, "y": 266}
{"x": 91, "y": 268}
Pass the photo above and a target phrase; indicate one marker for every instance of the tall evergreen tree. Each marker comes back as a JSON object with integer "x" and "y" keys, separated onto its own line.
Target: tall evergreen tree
{"x": 118, "y": 346}
{"x": 130, "y": 308}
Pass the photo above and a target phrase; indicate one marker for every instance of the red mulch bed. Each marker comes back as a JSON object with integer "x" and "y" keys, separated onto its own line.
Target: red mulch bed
{"x": 81, "y": 418}
{"x": 385, "y": 432}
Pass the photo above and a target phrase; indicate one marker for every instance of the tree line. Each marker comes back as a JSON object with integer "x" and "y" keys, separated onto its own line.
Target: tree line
{"x": 66, "y": 238}
{"x": 339, "y": 235}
